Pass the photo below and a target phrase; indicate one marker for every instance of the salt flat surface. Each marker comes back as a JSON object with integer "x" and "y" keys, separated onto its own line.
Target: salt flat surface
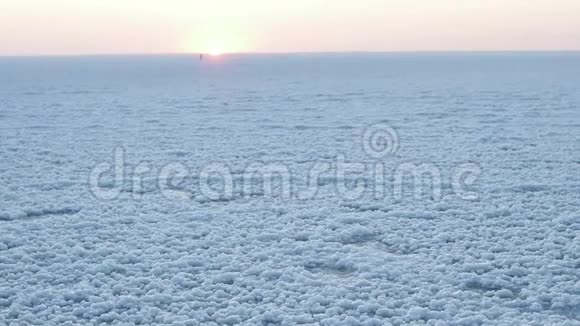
{"x": 510, "y": 256}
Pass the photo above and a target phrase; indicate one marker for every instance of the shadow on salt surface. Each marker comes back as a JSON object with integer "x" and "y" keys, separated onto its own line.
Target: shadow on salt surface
{"x": 324, "y": 271}
{"x": 33, "y": 93}
{"x": 306, "y": 127}
{"x": 51, "y": 186}
{"x": 364, "y": 257}
{"x": 38, "y": 127}
{"x": 366, "y": 207}
{"x": 79, "y": 92}
{"x": 530, "y": 188}
{"x": 39, "y": 213}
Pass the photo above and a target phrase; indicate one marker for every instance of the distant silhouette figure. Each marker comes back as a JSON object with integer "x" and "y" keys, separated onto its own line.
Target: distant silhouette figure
{"x": 201, "y": 57}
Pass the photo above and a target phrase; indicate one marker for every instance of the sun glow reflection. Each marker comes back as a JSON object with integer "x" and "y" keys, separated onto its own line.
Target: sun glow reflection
{"x": 216, "y": 37}
{"x": 218, "y": 42}
{"x": 215, "y": 52}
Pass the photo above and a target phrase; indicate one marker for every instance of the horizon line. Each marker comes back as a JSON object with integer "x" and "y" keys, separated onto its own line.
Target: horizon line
{"x": 144, "y": 54}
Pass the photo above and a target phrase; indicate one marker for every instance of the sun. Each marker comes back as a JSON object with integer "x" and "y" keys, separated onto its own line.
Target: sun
{"x": 215, "y": 52}
{"x": 216, "y": 48}
{"x": 216, "y": 38}
{"x": 217, "y": 44}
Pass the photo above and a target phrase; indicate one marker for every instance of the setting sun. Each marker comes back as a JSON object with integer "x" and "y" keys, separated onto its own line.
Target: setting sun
{"x": 217, "y": 39}
{"x": 216, "y": 48}
{"x": 214, "y": 52}
{"x": 223, "y": 43}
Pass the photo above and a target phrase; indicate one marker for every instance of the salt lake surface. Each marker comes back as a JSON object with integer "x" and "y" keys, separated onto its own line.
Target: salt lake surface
{"x": 493, "y": 238}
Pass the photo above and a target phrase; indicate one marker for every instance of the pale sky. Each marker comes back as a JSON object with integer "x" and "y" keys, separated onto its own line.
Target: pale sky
{"x": 37, "y": 27}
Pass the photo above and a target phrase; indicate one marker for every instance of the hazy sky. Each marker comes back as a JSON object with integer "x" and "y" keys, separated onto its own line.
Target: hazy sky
{"x": 31, "y": 27}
